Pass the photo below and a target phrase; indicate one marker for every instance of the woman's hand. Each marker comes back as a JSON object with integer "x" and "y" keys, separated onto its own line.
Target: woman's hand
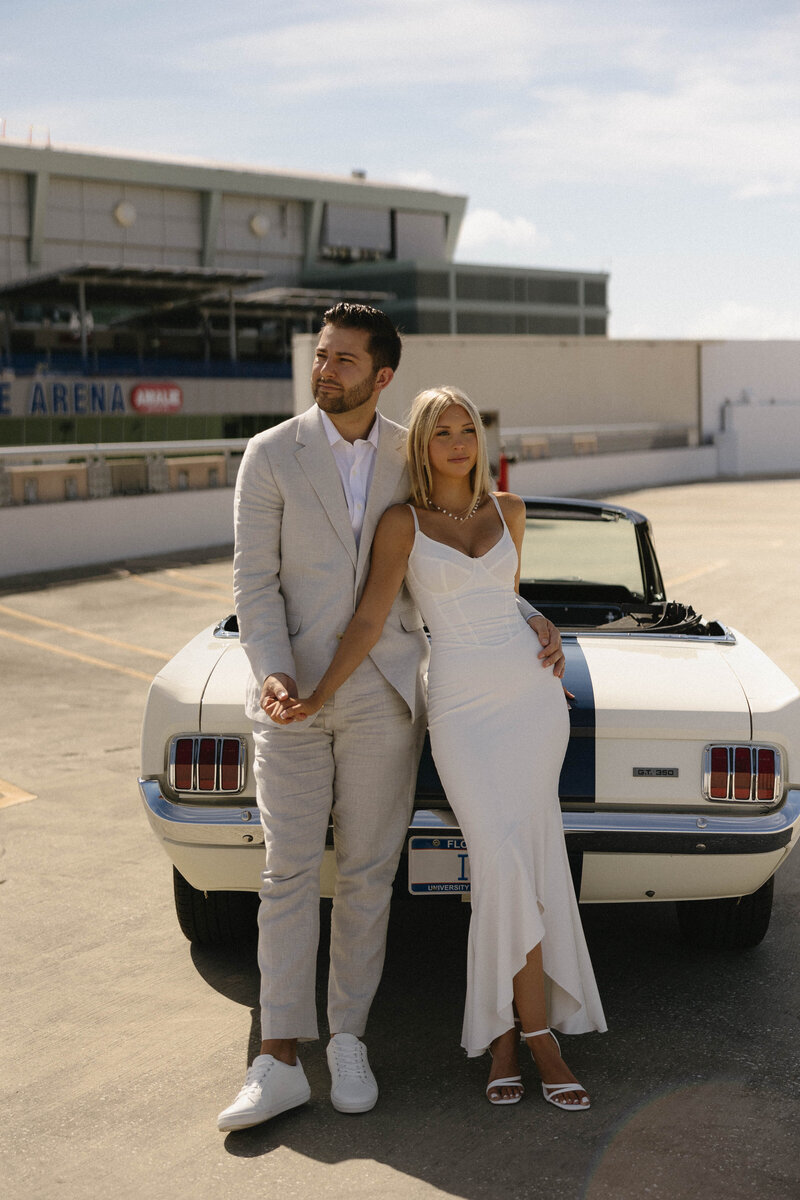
{"x": 303, "y": 707}
{"x": 551, "y": 654}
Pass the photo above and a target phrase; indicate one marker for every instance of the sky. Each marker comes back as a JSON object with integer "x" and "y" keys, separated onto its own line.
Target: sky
{"x": 658, "y": 141}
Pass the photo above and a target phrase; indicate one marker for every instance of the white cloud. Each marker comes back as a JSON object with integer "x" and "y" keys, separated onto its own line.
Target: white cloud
{"x": 487, "y": 236}
{"x": 730, "y": 119}
{"x": 383, "y": 44}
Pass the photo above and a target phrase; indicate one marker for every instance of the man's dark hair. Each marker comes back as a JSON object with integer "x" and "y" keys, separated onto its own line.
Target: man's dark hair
{"x": 384, "y": 343}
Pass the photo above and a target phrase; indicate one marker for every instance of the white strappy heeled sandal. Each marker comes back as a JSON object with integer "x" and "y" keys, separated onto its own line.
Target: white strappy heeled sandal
{"x": 508, "y": 1081}
{"x": 552, "y": 1091}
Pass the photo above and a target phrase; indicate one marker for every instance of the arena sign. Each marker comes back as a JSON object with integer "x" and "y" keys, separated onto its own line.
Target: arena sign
{"x": 75, "y": 398}
{"x": 87, "y": 398}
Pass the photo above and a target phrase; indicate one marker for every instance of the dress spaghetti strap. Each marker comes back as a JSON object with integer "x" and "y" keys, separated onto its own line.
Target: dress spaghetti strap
{"x": 499, "y": 509}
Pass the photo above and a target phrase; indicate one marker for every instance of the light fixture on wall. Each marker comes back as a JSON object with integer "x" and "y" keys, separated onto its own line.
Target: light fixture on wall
{"x": 259, "y": 225}
{"x": 125, "y": 214}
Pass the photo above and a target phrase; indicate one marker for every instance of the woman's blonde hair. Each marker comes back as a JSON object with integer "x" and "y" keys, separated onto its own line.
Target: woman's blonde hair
{"x": 426, "y": 410}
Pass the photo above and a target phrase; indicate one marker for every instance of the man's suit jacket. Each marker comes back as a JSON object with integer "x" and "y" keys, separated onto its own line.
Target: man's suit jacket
{"x": 298, "y": 575}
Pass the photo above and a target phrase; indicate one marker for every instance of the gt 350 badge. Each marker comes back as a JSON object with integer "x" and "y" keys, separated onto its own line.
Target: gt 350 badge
{"x": 656, "y": 772}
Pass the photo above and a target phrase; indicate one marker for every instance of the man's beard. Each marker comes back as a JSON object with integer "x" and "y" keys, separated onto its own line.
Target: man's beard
{"x": 345, "y": 401}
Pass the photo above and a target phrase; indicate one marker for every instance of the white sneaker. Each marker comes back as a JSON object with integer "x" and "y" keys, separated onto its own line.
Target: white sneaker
{"x": 354, "y": 1089}
{"x": 270, "y": 1087}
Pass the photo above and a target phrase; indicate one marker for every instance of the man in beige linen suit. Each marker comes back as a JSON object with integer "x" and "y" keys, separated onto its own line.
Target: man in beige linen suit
{"x": 309, "y": 495}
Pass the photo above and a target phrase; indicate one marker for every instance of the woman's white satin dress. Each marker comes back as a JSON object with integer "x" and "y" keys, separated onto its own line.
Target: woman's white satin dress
{"x": 499, "y": 726}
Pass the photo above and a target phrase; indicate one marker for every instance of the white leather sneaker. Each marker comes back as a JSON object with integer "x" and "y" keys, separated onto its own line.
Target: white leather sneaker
{"x": 270, "y": 1087}
{"x": 353, "y": 1089}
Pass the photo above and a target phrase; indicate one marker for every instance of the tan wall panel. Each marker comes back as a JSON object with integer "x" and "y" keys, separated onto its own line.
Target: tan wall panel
{"x": 542, "y": 381}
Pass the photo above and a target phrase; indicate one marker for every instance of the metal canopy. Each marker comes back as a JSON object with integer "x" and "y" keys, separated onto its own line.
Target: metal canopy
{"x": 135, "y": 287}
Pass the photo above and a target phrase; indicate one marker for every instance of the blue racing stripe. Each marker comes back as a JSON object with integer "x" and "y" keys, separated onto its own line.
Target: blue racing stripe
{"x": 577, "y": 782}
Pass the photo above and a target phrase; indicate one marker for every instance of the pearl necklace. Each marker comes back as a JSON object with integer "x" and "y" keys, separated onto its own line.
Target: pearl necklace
{"x": 466, "y": 517}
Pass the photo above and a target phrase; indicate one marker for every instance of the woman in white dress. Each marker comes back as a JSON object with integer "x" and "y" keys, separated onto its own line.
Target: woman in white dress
{"x": 499, "y": 727}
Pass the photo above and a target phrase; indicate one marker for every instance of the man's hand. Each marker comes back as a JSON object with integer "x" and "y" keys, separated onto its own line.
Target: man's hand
{"x": 277, "y": 695}
{"x": 551, "y": 654}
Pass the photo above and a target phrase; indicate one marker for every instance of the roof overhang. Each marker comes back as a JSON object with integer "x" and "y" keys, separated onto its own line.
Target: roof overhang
{"x": 128, "y": 286}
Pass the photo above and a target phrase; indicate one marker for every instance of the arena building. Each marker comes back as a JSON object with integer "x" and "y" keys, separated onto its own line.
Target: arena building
{"x": 145, "y": 300}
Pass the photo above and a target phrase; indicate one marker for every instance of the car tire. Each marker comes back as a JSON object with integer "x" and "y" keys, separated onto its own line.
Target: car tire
{"x": 214, "y": 918}
{"x": 735, "y": 923}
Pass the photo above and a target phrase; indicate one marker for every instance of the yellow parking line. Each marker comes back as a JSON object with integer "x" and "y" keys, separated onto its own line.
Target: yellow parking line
{"x": 84, "y": 658}
{"x": 707, "y": 570}
{"x": 171, "y": 587}
{"x": 212, "y": 583}
{"x": 12, "y": 795}
{"x": 95, "y": 637}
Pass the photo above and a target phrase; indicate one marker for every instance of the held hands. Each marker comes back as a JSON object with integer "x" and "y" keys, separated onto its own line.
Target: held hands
{"x": 278, "y": 694}
{"x": 305, "y": 707}
{"x": 280, "y": 702}
{"x": 551, "y": 654}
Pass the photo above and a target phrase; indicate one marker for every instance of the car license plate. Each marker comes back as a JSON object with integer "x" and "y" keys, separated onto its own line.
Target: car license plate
{"x": 438, "y": 864}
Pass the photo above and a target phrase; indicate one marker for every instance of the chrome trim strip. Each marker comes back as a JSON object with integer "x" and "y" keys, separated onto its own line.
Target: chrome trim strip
{"x": 196, "y": 815}
{"x": 727, "y": 639}
{"x": 774, "y": 824}
{"x": 221, "y": 632}
{"x": 716, "y": 833}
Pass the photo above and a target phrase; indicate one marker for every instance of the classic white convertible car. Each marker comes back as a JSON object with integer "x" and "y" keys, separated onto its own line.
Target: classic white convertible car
{"x": 681, "y": 781}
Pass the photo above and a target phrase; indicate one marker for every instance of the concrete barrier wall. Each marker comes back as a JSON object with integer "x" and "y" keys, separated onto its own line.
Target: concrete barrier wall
{"x": 763, "y": 371}
{"x": 52, "y": 537}
{"x": 600, "y": 474}
{"x": 760, "y": 439}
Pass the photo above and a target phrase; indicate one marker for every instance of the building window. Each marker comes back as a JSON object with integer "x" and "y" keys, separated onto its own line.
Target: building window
{"x": 485, "y": 322}
{"x": 594, "y": 293}
{"x": 498, "y": 288}
{"x": 553, "y": 291}
{"x": 543, "y": 323}
{"x": 433, "y": 285}
{"x": 419, "y": 235}
{"x": 433, "y": 322}
{"x": 352, "y": 234}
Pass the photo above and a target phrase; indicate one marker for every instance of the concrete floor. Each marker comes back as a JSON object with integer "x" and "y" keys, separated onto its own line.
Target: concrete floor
{"x": 120, "y": 1043}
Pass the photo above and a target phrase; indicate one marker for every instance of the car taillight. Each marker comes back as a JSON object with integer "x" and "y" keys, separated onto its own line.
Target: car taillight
{"x": 742, "y": 773}
{"x": 182, "y": 764}
{"x": 230, "y": 752}
{"x": 718, "y": 787}
{"x": 767, "y": 769}
{"x": 205, "y": 764}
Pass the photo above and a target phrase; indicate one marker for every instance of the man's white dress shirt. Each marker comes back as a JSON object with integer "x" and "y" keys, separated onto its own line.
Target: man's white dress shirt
{"x": 356, "y": 463}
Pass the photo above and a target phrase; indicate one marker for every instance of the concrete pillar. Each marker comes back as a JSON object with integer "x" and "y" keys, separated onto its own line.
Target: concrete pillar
{"x": 232, "y": 462}
{"x": 98, "y": 478}
{"x": 5, "y": 486}
{"x": 157, "y": 473}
